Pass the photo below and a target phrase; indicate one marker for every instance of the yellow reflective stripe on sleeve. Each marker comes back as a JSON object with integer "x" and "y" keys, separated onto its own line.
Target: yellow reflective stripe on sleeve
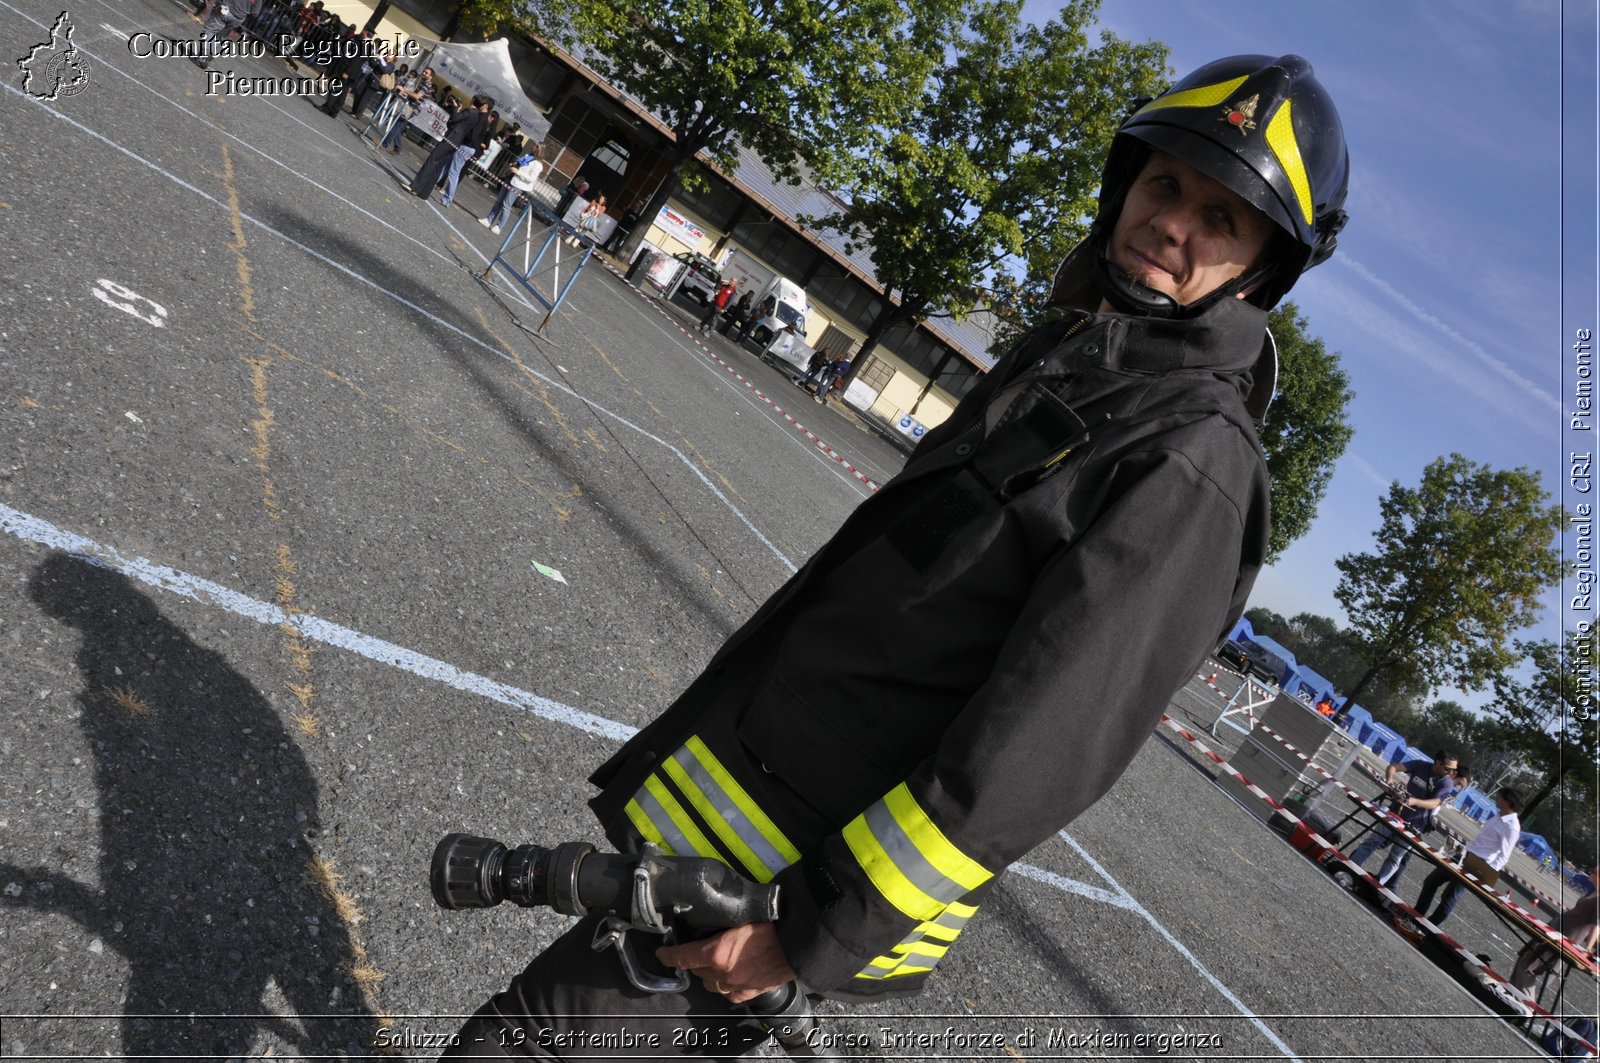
{"x": 950, "y": 862}
{"x": 910, "y": 861}
{"x": 672, "y": 822}
{"x": 1199, "y": 96}
{"x": 747, "y": 832}
{"x": 1280, "y": 138}
{"x": 880, "y": 868}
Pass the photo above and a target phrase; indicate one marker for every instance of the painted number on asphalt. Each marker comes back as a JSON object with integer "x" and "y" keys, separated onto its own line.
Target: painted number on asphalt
{"x": 113, "y": 294}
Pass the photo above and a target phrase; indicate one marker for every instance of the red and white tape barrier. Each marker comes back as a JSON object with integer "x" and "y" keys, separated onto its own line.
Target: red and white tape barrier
{"x": 1323, "y": 852}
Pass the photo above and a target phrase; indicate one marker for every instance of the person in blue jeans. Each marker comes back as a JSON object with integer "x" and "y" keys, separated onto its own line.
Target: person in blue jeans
{"x": 1486, "y": 856}
{"x": 1428, "y": 787}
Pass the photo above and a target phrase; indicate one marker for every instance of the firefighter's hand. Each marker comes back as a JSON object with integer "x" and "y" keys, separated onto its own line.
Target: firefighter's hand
{"x": 741, "y": 963}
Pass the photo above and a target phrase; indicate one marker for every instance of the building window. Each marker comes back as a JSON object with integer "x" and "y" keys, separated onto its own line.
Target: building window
{"x": 612, "y": 154}
{"x": 876, "y": 374}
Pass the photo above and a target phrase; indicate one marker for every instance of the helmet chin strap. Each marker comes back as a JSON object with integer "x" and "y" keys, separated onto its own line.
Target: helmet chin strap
{"x": 1128, "y": 296}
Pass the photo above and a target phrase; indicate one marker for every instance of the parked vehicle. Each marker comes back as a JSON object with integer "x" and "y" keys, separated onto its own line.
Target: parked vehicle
{"x": 788, "y": 302}
{"x": 703, "y": 278}
{"x": 1247, "y": 658}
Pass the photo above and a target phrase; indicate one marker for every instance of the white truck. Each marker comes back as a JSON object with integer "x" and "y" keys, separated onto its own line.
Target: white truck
{"x": 788, "y": 305}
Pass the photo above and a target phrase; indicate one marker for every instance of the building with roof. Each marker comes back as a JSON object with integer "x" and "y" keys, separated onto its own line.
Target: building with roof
{"x": 609, "y": 138}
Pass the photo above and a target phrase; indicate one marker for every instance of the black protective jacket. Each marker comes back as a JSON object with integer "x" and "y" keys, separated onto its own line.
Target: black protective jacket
{"x": 980, "y": 650}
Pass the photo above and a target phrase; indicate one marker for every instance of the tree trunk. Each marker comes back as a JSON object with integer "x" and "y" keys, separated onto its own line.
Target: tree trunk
{"x": 454, "y": 24}
{"x": 933, "y": 376}
{"x": 1361, "y": 684}
{"x": 889, "y": 315}
{"x": 652, "y": 209}
{"x": 377, "y": 16}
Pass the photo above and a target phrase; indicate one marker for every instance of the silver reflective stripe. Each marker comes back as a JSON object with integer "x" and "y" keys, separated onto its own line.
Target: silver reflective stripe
{"x": 676, "y": 840}
{"x": 950, "y": 921}
{"x": 727, "y": 808}
{"x": 916, "y": 963}
{"x": 908, "y": 859}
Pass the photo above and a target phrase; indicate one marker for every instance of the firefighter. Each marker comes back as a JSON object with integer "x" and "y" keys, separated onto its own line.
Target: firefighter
{"x": 1024, "y": 598}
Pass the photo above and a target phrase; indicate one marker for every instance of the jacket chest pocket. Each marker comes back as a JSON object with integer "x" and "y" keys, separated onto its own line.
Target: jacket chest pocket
{"x": 1030, "y": 432}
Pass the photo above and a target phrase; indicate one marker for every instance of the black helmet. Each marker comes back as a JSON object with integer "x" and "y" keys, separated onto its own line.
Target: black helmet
{"x": 1264, "y": 128}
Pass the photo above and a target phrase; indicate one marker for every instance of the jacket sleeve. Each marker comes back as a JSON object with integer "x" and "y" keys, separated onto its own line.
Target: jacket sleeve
{"x": 1116, "y": 622}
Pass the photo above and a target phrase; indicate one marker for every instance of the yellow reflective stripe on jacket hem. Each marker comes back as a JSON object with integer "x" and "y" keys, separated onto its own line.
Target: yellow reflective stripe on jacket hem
{"x": 914, "y": 955}
{"x": 673, "y": 820}
{"x": 726, "y": 812}
{"x": 781, "y": 846}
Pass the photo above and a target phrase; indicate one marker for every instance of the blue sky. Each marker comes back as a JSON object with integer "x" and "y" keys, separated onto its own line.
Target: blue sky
{"x": 1444, "y": 297}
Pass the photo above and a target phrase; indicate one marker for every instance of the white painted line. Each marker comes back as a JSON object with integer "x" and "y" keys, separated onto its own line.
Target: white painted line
{"x": 703, "y": 360}
{"x": 1183, "y": 951}
{"x": 41, "y": 532}
{"x": 249, "y": 146}
{"x": 386, "y": 167}
{"x": 1076, "y": 888}
{"x": 557, "y": 385}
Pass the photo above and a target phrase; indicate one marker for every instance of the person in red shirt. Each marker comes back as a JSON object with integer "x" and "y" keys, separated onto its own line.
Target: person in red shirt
{"x": 718, "y": 304}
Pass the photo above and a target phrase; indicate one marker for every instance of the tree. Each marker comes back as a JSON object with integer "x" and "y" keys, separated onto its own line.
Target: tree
{"x": 1550, "y": 719}
{"x": 1307, "y": 429}
{"x": 1460, "y": 564}
{"x": 799, "y": 83}
{"x": 996, "y": 162}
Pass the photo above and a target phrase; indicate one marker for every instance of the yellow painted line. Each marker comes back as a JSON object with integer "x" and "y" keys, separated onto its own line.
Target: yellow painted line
{"x": 540, "y": 391}
{"x": 247, "y": 296}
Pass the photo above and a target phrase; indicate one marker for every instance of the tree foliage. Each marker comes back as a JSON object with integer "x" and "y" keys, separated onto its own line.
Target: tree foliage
{"x": 799, "y": 83}
{"x": 995, "y": 162}
{"x": 1307, "y": 429}
{"x": 1459, "y": 566}
{"x": 1550, "y": 719}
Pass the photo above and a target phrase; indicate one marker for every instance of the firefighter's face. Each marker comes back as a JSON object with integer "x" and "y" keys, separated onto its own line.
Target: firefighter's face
{"x": 1183, "y": 233}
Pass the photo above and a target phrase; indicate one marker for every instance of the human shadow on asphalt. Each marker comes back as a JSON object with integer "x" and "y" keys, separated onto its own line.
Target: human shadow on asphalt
{"x": 1063, "y": 958}
{"x": 206, "y": 803}
{"x": 511, "y": 406}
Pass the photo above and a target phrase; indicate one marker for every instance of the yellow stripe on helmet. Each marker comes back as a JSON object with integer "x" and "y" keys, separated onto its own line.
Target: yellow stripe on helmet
{"x": 1280, "y": 138}
{"x": 1199, "y": 96}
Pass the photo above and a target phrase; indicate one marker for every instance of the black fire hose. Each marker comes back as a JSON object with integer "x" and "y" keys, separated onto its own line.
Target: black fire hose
{"x": 646, "y": 891}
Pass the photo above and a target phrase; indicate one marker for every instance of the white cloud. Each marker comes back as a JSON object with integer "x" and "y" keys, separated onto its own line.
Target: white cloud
{"x": 1367, "y": 469}
{"x": 1430, "y": 355}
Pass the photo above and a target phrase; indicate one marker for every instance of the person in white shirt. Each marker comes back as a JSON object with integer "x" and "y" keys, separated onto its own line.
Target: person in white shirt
{"x": 524, "y": 172}
{"x": 1485, "y": 857}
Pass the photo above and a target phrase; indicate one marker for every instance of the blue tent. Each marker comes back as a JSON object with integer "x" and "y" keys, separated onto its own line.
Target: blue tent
{"x": 1476, "y": 804}
{"x": 1358, "y": 722}
{"x": 1535, "y": 846}
{"x": 1303, "y": 681}
{"x": 1385, "y": 741}
{"x": 1242, "y": 632}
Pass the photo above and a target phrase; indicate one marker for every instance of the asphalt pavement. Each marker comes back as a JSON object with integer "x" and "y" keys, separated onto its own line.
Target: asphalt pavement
{"x": 319, "y": 549}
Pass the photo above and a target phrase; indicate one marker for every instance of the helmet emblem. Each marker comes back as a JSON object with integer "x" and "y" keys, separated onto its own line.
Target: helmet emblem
{"x": 1242, "y": 116}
